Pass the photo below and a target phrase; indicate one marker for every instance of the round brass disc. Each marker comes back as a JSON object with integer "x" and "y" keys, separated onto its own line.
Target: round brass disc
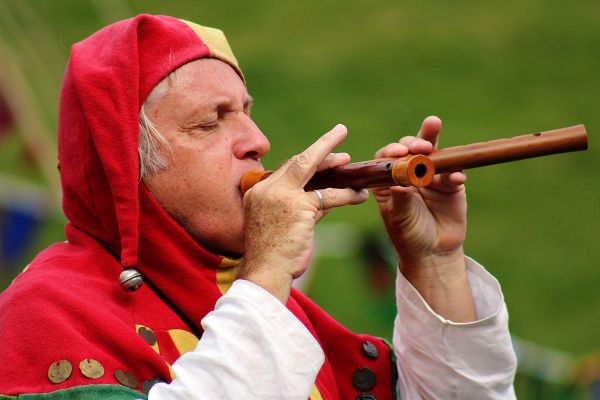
{"x": 59, "y": 371}
{"x": 91, "y": 369}
{"x": 127, "y": 379}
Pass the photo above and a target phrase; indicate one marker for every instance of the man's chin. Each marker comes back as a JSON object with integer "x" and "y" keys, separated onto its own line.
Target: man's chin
{"x": 220, "y": 248}
{"x": 227, "y": 247}
{"x": 232, "y": 253}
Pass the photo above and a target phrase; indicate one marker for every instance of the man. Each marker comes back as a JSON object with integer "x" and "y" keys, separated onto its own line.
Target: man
{"x": 203, "y": 325}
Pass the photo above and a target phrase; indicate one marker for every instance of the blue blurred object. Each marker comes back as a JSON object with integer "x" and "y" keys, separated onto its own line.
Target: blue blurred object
{"x": 595, "y": 390}
{"x": 18, "y": 226}
{"x": 23, "y": 209}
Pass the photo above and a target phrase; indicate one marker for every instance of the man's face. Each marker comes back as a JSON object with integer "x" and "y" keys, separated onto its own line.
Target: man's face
{"x": 205, "y": 117}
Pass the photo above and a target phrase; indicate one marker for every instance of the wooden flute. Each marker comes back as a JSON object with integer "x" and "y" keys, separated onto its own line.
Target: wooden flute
{"x": 419, "y": 170}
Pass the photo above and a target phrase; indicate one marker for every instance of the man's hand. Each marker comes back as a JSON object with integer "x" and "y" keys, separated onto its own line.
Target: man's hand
{"x": 427, "y": 227}
{"x": 280, "y": 217}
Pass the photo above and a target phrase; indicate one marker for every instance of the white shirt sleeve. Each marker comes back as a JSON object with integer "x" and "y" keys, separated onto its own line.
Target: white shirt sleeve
{"x": 253, "y": 347}
{"x": 441, "y": 359}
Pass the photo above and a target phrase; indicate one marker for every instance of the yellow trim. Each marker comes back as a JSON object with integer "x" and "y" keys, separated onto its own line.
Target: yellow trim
{"x": 184, "y": 341}
{"x": 217, "y": 44}
{"x": 170, "y": 370}
{"x": 226, "y": 276}
{"x": 229, "y": 262}
{"x": 315, "y": 394}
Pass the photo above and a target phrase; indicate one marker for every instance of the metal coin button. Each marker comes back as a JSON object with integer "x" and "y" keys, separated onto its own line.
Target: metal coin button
{"x": 370, "y": 350}
{"x": 127, "y": 379}
{"x": 366, "y": 396}
{"x": 148, "y": 335}
{"x": 147, "y": 385}
{"x": 364, "y": 379}
{"x": 59, "y": 371}
{"x": 91, "y": 369}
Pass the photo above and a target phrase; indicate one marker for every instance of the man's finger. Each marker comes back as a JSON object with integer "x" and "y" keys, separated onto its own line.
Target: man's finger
{"x": 332, "y": 198}
{"x": 449, "y": 183}
{"x": 392, "y": 150}
{"x": 334, "y": 160}
{"x": 430, "y": 130}
{"x": 403, "y": 200}
{"x": 416, "y": 145}
{"x": 302, "y": 167}
{"x": 425, "y": 141}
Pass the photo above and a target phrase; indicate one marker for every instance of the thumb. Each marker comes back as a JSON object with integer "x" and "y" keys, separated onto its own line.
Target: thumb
{"x": 403, "y": 203}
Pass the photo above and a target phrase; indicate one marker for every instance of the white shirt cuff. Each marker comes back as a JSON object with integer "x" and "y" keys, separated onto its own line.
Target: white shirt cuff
{"x": 439, "y": 358}
{"x": 485, "y": 289}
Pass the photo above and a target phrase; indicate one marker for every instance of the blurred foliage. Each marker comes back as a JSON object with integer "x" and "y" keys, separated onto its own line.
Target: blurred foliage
{"x": 488, "y": 69}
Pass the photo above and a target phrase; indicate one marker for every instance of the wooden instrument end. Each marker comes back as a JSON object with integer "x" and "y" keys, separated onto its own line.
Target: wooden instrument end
{"x": 413, "y": 170}
{"x": 251, "y": 178}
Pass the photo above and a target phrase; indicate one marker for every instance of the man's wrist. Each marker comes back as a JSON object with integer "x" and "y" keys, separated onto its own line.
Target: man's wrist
{"x": 441, "y": 267}
{"x": 268, "y": 276}
{"x": 441, "y": 279}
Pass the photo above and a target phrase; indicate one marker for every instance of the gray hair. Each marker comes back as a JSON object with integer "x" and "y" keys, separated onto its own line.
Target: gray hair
{"x": 151, "y": 143}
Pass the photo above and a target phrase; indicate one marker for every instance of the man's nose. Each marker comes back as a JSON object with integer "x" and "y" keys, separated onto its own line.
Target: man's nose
{"x": 252, "y": 142}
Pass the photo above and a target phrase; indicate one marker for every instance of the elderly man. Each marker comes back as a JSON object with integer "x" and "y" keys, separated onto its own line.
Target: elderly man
{"x": 154, "y": 136}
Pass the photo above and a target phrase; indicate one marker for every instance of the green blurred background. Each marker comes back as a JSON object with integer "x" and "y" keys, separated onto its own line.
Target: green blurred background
{"x": 488, "y": 69}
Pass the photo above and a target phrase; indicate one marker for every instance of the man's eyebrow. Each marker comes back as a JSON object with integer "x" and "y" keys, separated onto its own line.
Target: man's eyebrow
{"x": 224, "y": 103}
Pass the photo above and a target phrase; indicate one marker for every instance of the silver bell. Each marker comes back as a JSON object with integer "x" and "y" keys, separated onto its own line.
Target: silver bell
{"x": 130, "y": 279}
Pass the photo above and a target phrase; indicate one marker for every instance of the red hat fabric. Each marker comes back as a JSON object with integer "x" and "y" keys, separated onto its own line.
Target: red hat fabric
{"x": 108, "y": 77}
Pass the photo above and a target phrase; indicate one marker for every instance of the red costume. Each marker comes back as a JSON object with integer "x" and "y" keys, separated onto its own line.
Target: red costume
{"x": 66, "y": 327}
